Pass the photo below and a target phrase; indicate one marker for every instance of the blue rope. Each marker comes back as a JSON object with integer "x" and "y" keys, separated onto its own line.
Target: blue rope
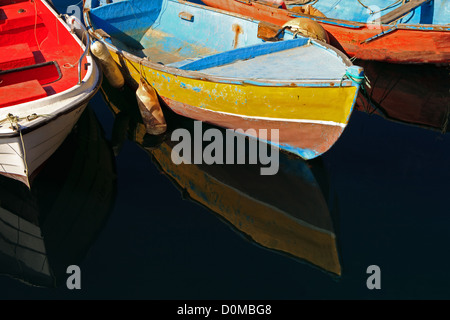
{"x": 357, "y": 79}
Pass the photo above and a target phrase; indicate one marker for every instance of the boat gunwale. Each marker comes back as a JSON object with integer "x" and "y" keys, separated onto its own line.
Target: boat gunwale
{"x": 42, "y": 121}
{"x": 197, "y": 75}
{"x": 74, "y": 93}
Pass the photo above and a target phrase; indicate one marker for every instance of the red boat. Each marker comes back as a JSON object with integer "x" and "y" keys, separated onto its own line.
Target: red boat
{"x": 389, "y": 41}
{"x": 47, "y": 78}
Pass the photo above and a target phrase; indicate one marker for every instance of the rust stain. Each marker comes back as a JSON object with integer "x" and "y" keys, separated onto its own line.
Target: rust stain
{"x": 237, "y": 29}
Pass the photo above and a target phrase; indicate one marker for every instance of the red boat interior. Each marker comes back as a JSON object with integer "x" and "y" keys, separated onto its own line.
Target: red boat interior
{"x": 38, "y": 56}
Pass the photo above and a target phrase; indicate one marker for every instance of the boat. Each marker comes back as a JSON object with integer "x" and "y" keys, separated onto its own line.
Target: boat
{"x": 416, "y": 95}
{"x": 415, "y": 31}
{"x": 231, "y": 71}
{"x": 47, "y": 78}
{"x": 46, "y": 229}
{"x": 291, "y": 217}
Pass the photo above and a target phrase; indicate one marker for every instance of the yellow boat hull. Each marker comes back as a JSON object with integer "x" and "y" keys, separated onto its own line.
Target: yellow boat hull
{"x": 310, "y": 119}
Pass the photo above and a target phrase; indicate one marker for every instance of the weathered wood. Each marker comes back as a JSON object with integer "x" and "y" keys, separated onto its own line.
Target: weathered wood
{"x": 267, "y": 31}
{"x": 409, "y": 43}
{"x": 102, "y": 33}
{"x": 401, "y": 11}
{"x": 186, "y": 16}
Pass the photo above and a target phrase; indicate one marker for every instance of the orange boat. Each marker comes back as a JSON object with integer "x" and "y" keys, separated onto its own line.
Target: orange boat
{"x": 412, "y": 32}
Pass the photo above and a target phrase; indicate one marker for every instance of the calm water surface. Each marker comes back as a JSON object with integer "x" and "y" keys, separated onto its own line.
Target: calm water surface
{"x": 112, "y": 202}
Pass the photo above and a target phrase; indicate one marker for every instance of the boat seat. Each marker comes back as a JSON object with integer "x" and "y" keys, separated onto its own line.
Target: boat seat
{"x": 180, "y": 64}
{"x": 8, "y": 2}
{"x": 12, "y": 19}
{"x": 20, "y": 93}
{"x": 44, "y": 73}
{"x": 16, "y": 56}
{"x": 244, "y": 53}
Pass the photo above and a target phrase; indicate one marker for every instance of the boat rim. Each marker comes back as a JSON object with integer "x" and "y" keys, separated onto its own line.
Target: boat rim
{"x": 352, "y": 24}
{"x": 90, "y": 83}
{"x": 210, "y": 78}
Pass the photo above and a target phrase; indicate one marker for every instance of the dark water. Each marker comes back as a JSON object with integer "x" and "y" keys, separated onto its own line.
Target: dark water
{"x": 380, "y": 197}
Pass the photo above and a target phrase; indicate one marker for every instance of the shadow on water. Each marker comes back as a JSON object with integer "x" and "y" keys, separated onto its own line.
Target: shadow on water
{"x": 390, "y": 178}
{"x": 53, "y": 225}
{"x": 413, "y": 94}
{"x": 378, "y": 197}
{"x": 286, "y": 212}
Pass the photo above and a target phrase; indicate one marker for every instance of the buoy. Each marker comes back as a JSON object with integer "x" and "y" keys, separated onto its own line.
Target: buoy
{"x": 109, "y": 66}
{"x": 308, "y": 28}
{"x": 150, "y": 109}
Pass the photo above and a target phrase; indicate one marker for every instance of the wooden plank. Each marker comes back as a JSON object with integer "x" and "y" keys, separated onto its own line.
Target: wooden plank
{"x": 401, "y": 11}
{"x": 20, "y": 93}
{"x": 15, "y": 56}
{"x": 243, "y": 53}
{"x": 268, "y": 31}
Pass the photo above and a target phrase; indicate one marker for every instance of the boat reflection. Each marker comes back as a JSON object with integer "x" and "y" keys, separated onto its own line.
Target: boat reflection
{"x": 50, "y": 227}
{"x": 413, "y": 94}
{"x": 286, "y": 212}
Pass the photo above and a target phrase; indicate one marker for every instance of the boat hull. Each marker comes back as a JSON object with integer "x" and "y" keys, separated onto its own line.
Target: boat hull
{"x": 309, "y": 119}
{"x": 22, "y": 155}
{"x": 404, "y": 44}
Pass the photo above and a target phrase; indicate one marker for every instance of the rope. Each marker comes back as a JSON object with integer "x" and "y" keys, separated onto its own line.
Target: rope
{"x": 357, "y": 79}
{"x": 142, "y": 70}
{"x": 363, "y": 81}
{"x": 14, "y": 121}
{"x": 68, "y": 65}
{"x": 385, "y": 8}
{"x": 57, "y": 30}
{"x": 10, "y": 117}
{"x": 35, "y": 24}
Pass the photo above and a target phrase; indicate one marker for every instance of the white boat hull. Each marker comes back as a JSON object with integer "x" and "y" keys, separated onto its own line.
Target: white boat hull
{"x": 21, "y": 160}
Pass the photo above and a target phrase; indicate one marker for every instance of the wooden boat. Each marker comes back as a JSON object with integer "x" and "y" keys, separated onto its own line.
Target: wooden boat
{"x": 211, "y": 66}
{"x": 50, "y": 227}
{"x": 292, "y": 219}
{"x": 403, "y": 32}
{"x": 416, "y": 95}
{"x": 46, "y": 81}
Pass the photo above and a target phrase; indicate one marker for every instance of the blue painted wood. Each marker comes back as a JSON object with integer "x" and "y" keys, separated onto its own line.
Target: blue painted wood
{"x": 126, "y": 20}
{"x": 209, "y": 29}
{"x": 243, "y": 54}
{"x": 433, "y": 12}
{"x": 216, "y": 43}
{"x": 305, "y": 63}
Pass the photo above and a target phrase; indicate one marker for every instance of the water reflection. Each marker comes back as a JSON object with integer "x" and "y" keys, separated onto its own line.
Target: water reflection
{"x": 51, "y": 226}
{"x": 286, "y": 212}
{"x": 412, "y": 94}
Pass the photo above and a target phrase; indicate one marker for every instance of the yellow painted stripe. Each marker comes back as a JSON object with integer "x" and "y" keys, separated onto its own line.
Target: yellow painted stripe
{"x": 308, "y": 103}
